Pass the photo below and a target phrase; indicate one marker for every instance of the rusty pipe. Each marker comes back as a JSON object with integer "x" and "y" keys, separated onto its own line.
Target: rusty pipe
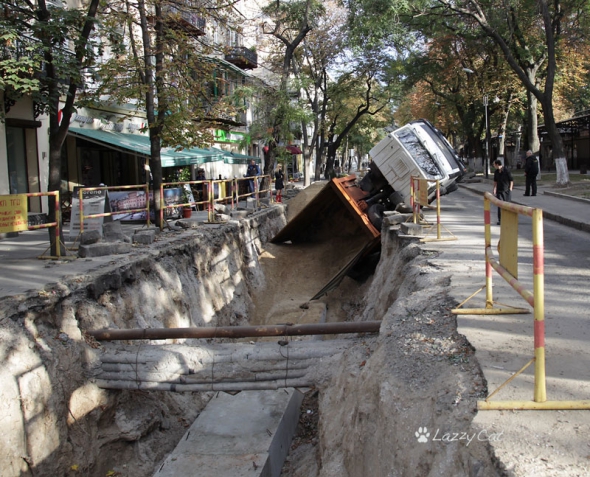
{"x": 237, "y": 331}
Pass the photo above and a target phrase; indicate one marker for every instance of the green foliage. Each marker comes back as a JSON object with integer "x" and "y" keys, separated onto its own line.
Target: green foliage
{"x": 19, "y": 66}
{"x": 39, "y": 52}
{"x": 191, "y": 89}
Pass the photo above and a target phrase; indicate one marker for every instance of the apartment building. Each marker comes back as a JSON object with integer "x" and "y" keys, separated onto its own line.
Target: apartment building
{"x": 108, "y": 143}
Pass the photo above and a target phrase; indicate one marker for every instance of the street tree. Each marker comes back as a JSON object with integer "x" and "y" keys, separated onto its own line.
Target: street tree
{"x": 287, "y": 25}
{"x": 159, "y": 64}
{"x": 321, "y": 50}
{"x": 529, "y": 35}
{"x": 355, "y": 94}
{"x": 52, "y": 48}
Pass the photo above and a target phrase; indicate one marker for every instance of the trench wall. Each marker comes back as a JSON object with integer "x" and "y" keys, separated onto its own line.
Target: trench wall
{"x": 384, "y": 403}
{"x": 54, "y": 420}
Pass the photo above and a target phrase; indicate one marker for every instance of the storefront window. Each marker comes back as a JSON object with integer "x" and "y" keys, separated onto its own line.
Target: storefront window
{"x": 17, "y": 160}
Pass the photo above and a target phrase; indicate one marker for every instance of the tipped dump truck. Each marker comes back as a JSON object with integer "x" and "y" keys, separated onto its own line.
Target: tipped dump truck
{"x": 347, "y": 207}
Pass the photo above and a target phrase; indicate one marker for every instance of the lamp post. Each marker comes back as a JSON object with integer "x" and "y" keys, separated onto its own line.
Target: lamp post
{"x": 487, "y": 160}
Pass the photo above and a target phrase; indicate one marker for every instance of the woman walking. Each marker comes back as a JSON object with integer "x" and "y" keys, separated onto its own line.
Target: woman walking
{"x": 279, "y": 184}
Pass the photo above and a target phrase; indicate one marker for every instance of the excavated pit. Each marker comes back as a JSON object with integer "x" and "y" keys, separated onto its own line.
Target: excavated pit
{"x": 373, "y": 405}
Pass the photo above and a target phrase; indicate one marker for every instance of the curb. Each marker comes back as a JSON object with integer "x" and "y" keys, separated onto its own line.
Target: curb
{"x": 548, "y": 215}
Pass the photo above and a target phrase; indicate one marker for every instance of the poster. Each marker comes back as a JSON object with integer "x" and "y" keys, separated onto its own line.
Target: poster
{"x": 124, "y": 201}
{"x": 14, "y": 213}
{"x": 94, "y": 202}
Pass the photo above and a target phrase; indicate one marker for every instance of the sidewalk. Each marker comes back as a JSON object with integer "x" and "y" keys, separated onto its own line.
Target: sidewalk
{"x": 21, "y": 270}
{"x": 570, "y": 211}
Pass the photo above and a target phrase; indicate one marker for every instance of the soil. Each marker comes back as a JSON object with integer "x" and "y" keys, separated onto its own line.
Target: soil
{"x": 417, "y": 379}
{"x": 296, "y": 272}
{"x": 578, "y": 189}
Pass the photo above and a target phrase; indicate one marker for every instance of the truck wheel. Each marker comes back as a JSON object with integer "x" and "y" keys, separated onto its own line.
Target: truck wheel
{"x": 375, "y": 214}
{"x": 452, "y": 187}
{"x": 396, "y": 198}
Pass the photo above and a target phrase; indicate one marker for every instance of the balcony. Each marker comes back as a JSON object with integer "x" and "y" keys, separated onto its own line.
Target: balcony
{"x": 189, "y": 21}
{"x": 242, "y": 57}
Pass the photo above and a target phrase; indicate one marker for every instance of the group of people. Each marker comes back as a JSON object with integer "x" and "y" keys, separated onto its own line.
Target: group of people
{"x": 504, "y": 183}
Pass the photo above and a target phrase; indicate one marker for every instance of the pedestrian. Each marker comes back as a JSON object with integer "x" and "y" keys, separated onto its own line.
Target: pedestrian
{"x": 503, "y": 184}
{"x": 199, "y": 187}
{"x": 531, "y": 170}
{"x": 252, "y": 171}
{"x": 279, "y": 183}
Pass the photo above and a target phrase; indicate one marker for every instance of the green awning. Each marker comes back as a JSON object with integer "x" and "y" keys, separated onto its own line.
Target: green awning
{"x": 235, "y": 157}
{"x": 140, "y": 144}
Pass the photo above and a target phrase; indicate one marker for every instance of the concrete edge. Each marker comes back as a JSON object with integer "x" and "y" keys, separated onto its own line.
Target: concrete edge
{"x": 567, "y": 197}
{"x": 548, "y": 215}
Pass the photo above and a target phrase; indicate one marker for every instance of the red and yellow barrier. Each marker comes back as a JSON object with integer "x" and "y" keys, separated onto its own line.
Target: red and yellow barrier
{"x": 507, "y": 268}
{"x": 14, "y": 216}
{"x": 419, "y": 198}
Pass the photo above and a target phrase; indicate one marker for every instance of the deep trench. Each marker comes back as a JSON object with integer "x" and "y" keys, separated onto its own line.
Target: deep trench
{"x": 417, "y": 372}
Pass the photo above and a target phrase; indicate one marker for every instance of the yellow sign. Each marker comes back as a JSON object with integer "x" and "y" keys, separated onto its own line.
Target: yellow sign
{"x": 423, "y": 197}
{"x": 13, "y": 213}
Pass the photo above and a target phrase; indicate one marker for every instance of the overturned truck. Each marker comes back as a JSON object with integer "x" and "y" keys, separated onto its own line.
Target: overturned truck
{"x": 352, "y": 209}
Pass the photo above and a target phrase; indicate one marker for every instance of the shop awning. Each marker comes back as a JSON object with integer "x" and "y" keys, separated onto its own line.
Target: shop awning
{"x": 235, "y": 157}
{"x": 140, "y": 145}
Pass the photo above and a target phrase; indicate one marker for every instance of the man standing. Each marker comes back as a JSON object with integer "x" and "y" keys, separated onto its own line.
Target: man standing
{"x": 503, "y": 184}
{"x": 252, "y": 171}
{"x": 531, "y": 169}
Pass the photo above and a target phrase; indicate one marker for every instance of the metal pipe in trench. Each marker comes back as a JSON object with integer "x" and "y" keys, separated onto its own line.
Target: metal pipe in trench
{"x": 237, "y": 331}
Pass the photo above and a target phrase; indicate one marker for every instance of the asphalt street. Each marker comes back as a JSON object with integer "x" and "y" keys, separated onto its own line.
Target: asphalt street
{"x": 548, "y": 443}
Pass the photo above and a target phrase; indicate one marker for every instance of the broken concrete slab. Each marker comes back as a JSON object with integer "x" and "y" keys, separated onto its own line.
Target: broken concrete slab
{"x": 145, "y": 239}
{"x": 412, "y": 229}
{"x": 90, "y": 236}
{"x": 101, "y": 249}
{"x": 248, "y": 434}
{"x": 240, "y": 213}
{"x": 112, "y": 232}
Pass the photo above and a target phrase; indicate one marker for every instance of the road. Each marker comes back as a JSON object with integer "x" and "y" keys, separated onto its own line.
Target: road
{"x": 548, "y": 443}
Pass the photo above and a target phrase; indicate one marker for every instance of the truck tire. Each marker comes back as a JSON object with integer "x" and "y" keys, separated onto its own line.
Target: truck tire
{"x": 452, "y": 187}
{"x": 375, "y": 214}
{"x": 396, "y": 198}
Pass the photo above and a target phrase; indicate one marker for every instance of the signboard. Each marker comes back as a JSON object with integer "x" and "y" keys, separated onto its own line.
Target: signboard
{"x": 94, "y": 202}
{"x": 13, "y": 213}
{"x": 121, "y": 202}
{"x": 423, "y": 192}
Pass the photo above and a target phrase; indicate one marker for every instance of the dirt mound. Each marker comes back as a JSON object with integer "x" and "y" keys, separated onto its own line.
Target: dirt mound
{"x": 297, "y": 203}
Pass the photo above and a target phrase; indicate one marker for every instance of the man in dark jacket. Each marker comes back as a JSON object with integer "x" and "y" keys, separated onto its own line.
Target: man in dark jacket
{"x": 503, "y": 184}
{"x": 531, "y": 169}
{"x": 252, "y": 171}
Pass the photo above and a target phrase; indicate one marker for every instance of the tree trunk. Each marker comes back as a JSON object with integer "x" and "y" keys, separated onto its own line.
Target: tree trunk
{"x": 532, "y": 132}
{"x": 563, "y": 177}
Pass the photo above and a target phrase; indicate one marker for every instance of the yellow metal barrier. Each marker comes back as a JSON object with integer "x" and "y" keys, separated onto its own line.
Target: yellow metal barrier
{"x": 206, "y": 186}
{"x": 419, "y": 197}
{"x": 256, "y": 180}
{"x": 507, "y": 268}
{"x": 14, "y": 217}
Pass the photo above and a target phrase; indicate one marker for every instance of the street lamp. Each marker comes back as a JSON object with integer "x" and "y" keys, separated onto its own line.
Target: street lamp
{"x": 487, "y": 160}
